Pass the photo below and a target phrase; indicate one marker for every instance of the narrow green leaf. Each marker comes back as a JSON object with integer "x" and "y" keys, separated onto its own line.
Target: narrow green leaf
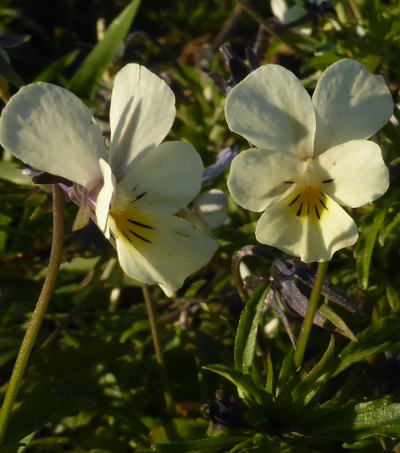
{"x": 337, "y": 321}
{"x": 245, "y": 341}
{"x": 12, "y": 172}
{"x": 379, "y": 337}
{"x": 269, "y": 386}
{"x": 84, "y": 81}
{"x": 310, "y": 384}
{"x": 356, "y": 421}
{"x": 24, "y": 443}
{"x": 286, "y": 372}
{"x": 366, "y": 246}
{"x": 56, "y": 68}
{"x": 179, "y": 430}
{"x": 246, "y": 387}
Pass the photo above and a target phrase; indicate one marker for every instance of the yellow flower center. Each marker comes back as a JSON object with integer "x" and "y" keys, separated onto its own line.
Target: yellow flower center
{"x": 310, "y": 202}
{"x": 136, "y": 228}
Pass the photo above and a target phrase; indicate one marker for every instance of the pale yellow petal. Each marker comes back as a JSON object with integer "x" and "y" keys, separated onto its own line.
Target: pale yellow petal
{"x": 105, "y": 196}
{"x": 160, "y": 249}
{"x": 258, "y": 177}
{"x": 355, "y": 171}
{"x": 350, "y": 103}
{"x": 141, "y": 115}
{"x": 166, "y": 179}
{"x": 311, "y": 236}
{"x": 272, "y": 110}
{"x": 50, "y": 129}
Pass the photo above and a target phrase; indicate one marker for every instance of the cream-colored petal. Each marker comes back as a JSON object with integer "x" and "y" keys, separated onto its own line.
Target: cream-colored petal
{"x": 166, "y": 179}
{"x": 306, "y": 236}
{"x": 50, "y": 129}
{"x": 285, "y": 13}
{"x": 258, "y": 177}
{"x": 141, "y": 115}
{"x": 211, "y": 206}
{"x": 350, "y": 103}
{"x": 83, "y": 215}
{"x": 272, "y": 110}
{"x": 210, "y": 201}
{"x": 160, "y": 249}
{"x": 105, "y": 196}
{"x": 358, "y": 172}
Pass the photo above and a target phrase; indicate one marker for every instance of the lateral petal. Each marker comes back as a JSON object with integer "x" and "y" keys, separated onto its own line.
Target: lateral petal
{"x": 166, "y": 179}
{"x": 50, "y": 129}
{"x": 358, "y": 172}
{"x": 258, "y": 177}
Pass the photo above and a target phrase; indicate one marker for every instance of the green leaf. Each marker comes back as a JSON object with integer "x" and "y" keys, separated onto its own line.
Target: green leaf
{"x": 312, "y": 383}
{"x": 246, "y": 387}
{"x": 366, "y": 246}
{"x": 24, "y": 443}
{"x": 4, "y": 221}
{"x": 55, "y": 69}
{"x": 357, "y": 421}
{"x": 246, "y": 336}
{"x": 84, "y": 81}
{"x": 269, "y": 386}
{"x": 337, "y": 321}
{"x": 12, "y": 172}
{"x": 179, "y": 429}
{"x": 286, "y": 372}
{"x": 377, "y": 338}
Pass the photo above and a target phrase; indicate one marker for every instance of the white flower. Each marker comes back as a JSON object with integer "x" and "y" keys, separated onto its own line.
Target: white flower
{"x": 138, "y": 183}
{"x": 311, "y": 155}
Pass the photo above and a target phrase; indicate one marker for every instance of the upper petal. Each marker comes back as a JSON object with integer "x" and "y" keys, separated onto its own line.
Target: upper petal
{"x": 350, "y": 103}
{"x": 50, "y": 129}
{"x": 258, "y": 176}
{"x": 142, "y": 113}
{"x": 358, "y": 172}
{"x": 309, "y": 237}
{"x": 272, "y": 110}
{"x": 161, "y": 249}
{"x": 166, "y": 179}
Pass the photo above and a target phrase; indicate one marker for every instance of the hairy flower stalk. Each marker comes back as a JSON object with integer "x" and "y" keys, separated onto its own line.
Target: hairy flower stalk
{"x": 38, "y": 314}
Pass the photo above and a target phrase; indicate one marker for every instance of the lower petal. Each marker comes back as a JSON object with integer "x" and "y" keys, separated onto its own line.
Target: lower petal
{"x": 310, "y": 236}
{"x": 161, "y": 249}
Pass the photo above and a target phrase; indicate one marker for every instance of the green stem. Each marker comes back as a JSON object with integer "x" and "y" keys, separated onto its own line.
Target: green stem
{"x": 309, "y": 317}
{"x": 38, "y": 314}
{"x": 169, "y": 399}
